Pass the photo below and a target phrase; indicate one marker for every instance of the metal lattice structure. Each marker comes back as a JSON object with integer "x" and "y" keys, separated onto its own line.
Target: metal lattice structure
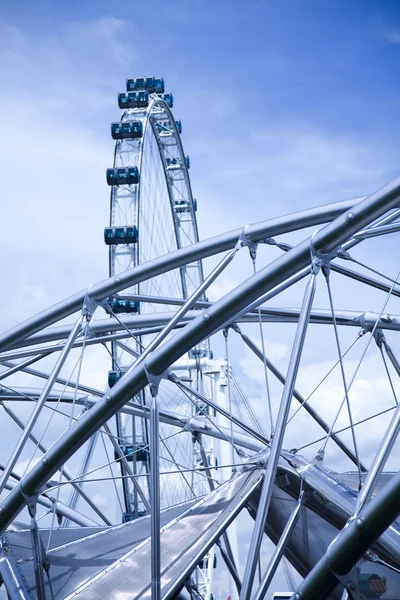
{"x": 130, "y": 488}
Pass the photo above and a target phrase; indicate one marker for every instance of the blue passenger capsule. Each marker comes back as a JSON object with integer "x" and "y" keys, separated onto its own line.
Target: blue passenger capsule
{"x": 187, "y": 160}
{"x": 127, "y": 130}
{"x": 179, "y": 126}
{"x": 159, "y": 86}
{"x": 139, "y": 450}
{"x": 172, "y": 163}
{"x": 123, "y": 176}
{"x": 120, "y": 305}
{"x": 115, "y": 375}
{"x": 131, "y": 516}
{"x": 133, "y": 100}
{"x": 141, "y": 83}
{"x": 123, "y": 100}
{"x": 121, "y": 235}
{"x": 169, "y": 100}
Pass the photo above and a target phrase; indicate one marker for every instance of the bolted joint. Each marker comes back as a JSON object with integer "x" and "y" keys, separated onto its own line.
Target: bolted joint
{"x": 244, "y": 241}
{"x": 359, "y": 523}
{"x": 89, "y": 305}
{"x": 155, "y": 380}
{"x": 320, "y": 259}
{"x": 379, "y": 337}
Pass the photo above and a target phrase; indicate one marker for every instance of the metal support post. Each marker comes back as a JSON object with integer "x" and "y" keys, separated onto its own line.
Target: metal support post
{"x": 155, "y": 500}
{"x": 39, "y": 554}
{"x": 351, "y": 543}
{"x": 230, "y": 565}
{"x": 279, "y": 549}
{"x": 276, "y": 444}
{"x": 40, "y": 403}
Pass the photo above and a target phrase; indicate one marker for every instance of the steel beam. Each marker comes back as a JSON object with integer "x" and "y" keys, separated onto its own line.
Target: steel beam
{"x": 155, "y": 321}
{"x": 40, "y": 403}
{"x": 277, "y": 441}
{"x": 278, "y": 551}
{"x": 352, "y": 543}
{"x": 325, "y": 240}
{"x": 176, "y": 259}
{"x": 313, "y": 413}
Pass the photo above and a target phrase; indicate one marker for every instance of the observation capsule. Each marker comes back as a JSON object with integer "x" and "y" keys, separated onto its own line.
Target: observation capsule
{"x": 169, "y": 100}
{"x": 133, "y": 100}
{"x": 115, "y": 375}
{"x": 130, "y": 516}
{"x": 126, "y": 130}
{"x": 200, "y": 353}
{"x": 121, "y": 235}
{"x": 123, "y": 176}
{"x": 142, "y": 83}
{"x": 139, "y": 449}
{"x": 123, "y": 305}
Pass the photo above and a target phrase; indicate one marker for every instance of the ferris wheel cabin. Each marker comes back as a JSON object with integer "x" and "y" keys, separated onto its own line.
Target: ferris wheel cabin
{"x": 127, "y": 130}
{"x": 121, "y": 235}
{"x": 124, "y": 176}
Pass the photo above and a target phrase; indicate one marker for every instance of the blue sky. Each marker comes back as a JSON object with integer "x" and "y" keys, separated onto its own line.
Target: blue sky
{"x": 285, "y": 104}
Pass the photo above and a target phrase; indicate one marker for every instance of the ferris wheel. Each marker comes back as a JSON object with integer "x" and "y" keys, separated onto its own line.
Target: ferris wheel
{"x": 130, "y": 483}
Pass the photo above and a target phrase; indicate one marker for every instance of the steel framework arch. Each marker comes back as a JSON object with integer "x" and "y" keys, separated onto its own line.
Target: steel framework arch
{"x": 353, "y": 537}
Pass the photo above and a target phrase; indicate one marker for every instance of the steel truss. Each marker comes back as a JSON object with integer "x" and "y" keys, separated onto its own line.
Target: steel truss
{"x": 363, "y": 524}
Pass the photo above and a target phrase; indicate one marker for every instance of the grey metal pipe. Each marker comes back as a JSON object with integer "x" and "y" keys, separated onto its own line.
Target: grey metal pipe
{"x": 74, "y": 496}
{"x": 313, "y": 413}
{"x": 127, "y": 468}
{"x": 43, "y": 375}
{"x": 155, "y": 501}
{"x": 40, "y": 403}
{"x": 375, "y": 231}
{"x": 277, "y": 441}
{"x": 350, "y": 318}
{"x": 178, "y": 316}
{"x": 391, "y": 356}
{"x": 65, "y": 473}
{"x": 60, "y": 508}
{"x": 352, "y": 543}
{"x": 379, "y": 461}
{"x": 220, "y": 410}
{"x": 225, "y": 309}
{"x": 101, "y": 339}
{"x": 15, "y": 586}
{"x": 278, "y": 551}
{"x": 131, "y": 277}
